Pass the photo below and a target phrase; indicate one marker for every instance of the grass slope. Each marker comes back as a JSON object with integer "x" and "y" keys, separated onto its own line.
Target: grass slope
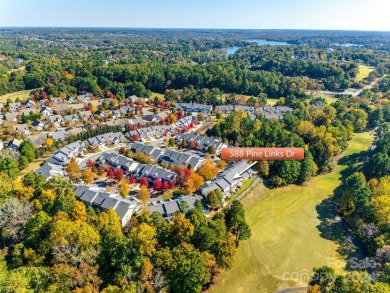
{"x": 364, "y": 71}
{"x": 289, "y": 235}
{"x": 13, "y": 96}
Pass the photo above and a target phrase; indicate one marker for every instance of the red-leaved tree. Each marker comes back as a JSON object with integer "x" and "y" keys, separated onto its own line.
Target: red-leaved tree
{"x": 144, "y": 181}
{"x": 157, "y": 184}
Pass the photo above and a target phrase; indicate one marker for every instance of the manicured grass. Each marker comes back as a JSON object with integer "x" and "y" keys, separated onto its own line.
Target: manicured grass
{"x": 364, "y": 71}
{"x": 289, "y": 234}
{"x": 13, "y": 96}
{"x": 271, "y": 102}
{"x": 160, "y": 96}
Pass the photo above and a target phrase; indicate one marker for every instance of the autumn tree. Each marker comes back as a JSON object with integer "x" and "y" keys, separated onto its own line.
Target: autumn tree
{"x": 157, "y": 185}
{"x": 214, "y": 198}
{"x": 124, "y": 189}
{"x": 88, "y": 176}
{"x": 263, "y": 168}
{"x": 221, "y": 164}
{"x": 194, "y": 182}
{"x": 144, "y": 239}
{"x": 208, "y": 170}
{"x": 73, "y": 170}
{"x": 144, "y": 194}
{"x": 225, "y": 253}
{"x": 144, "y": 181}
{"x": 49, "y": 142}
{"x": 74, "y": 242}
{"x": 181, "y": 229}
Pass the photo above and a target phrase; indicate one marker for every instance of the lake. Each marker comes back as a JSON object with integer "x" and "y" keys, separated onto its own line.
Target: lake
{"x": 232, "y": 50}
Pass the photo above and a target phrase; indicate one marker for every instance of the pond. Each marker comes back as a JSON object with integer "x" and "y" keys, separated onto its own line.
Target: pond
{"x": 232, "y": 50}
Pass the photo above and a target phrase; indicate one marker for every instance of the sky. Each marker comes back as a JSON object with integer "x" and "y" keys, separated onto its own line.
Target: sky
{"x": 230, "y": 14}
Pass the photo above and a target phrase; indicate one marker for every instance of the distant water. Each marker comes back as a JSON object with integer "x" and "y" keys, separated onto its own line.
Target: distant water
{"x": 347, "y": 45}
{"x": 265, "y": 42}
{"x": 232, "y": 50}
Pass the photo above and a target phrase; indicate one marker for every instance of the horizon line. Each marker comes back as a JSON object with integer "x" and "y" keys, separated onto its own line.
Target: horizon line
{"x": 188, "y": 28}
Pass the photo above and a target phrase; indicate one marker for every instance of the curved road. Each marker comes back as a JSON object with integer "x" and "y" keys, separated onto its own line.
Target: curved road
{"x": 354, "y": 93}
{"x": 293, "y": 289}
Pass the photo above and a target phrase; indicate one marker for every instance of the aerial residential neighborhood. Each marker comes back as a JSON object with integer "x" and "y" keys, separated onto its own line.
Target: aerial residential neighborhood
{"x": 146, "y": 149}
{"x": 148, "y": 135}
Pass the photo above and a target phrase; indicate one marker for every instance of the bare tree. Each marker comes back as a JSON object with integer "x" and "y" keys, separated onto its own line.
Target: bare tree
{"x": 14, "y": 214}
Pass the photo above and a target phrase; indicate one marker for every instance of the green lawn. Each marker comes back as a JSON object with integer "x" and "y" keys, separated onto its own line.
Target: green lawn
{"x": 364, "y": 71}
{"x": 286, "y": 238}
{"x": 13, "y": 96}
{"x": 160, "y": 96}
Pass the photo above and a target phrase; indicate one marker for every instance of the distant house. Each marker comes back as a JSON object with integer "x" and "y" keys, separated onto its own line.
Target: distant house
{"x": 77, "y": 107}
{"x": 11, "y": 116}
{"x": 156, "y": 118}
{"x": 152, "y": 172}
{"x": 59, "y": 134}
{"x": 49, "y": 170}
{"x": 14, "y": 107}
{"x": 1, "y": 144}
{"x": 65, "y": 154}
{"x": 38, "y": 125}
{"x": 69, "y": 99}
{"x": 72, "y": 118}
{"x": 85, "y": 115}
{"x": 38, "y": 140}
{"x": 29, "y": 111}
{"x": 29, "y": 104}
{"x": 96, "y": 103}
{"x": 100, "y": 113}
{"x": 19, "y": 60}
{"x": 122, "y": 122}
{"x": 57, "y": 100}
{"x": 194, "y": 108}
{"x": 117, "y": 161}
{"x": 202, "y": 142}
{"x": 46, "y": 111}
{"x": 106, "y": 139}
{"x": 14, "y": 144}
{"x": 84, "y": 98}
{"x": 55, "y": 120}
{"x": 169, "y": 208}
{"x": 21, "y": 128}
{"x": 61, "y": 108}
{"x": 126, "y": 110}
{"x": 273, "y": 112}
{"x": 137, "y": 100}
{"x": 115, "y": 114}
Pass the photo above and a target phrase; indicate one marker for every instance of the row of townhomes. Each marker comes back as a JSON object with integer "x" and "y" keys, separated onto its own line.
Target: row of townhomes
{"x": 135, "y": 169}
{"x": 269, "y": 112}
{"x": 170, "y": 207}
{"x": 168, "y": 157}
{"x": 96, "y": 197}
{"x": 230, "y": 178}
{"x": 201, "y": 142}
{"x": 159, "y": 131}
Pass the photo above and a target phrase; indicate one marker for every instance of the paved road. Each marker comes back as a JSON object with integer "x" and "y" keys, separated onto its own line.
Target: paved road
{"x": 293, "y": 289}
{"x": 354, "y": 93}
